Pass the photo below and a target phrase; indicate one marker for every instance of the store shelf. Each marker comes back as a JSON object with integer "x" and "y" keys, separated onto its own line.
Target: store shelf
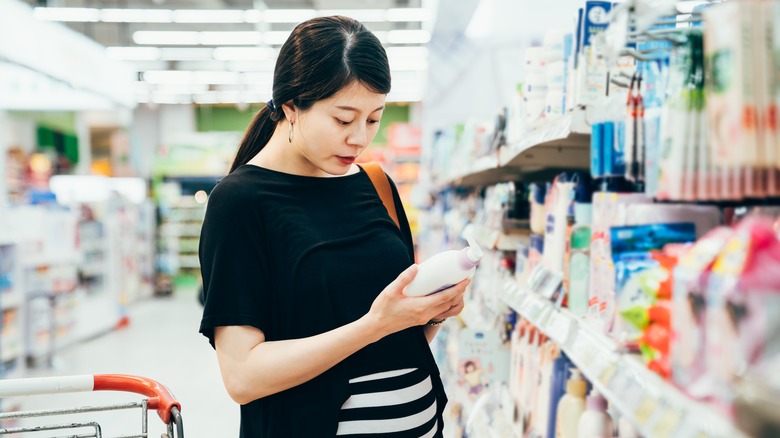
{"x": 563, "y": 143}
{"x": 654, "y": 406}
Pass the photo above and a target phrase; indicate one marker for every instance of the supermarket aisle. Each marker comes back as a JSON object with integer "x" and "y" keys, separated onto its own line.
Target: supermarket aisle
{"x": 161, "y": 343}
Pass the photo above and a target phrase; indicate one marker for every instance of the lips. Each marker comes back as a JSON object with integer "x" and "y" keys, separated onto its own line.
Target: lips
{"x": 346, "y": 160}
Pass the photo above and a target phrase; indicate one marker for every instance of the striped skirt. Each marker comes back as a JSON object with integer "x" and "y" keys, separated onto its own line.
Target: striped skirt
{"x": 392, "y": 404}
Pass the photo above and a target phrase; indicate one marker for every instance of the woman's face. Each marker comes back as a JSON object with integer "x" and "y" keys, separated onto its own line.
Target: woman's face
{"x": 333, "y": 132}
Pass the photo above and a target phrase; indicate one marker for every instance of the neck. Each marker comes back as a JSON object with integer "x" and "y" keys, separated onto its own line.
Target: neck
{"x": 282, "y": 156}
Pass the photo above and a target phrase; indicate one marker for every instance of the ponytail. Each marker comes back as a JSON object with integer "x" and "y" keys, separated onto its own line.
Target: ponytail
{"x": 256, "y": 137}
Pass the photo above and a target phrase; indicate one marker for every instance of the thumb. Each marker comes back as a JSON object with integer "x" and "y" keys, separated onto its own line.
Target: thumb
{"x": 404, "y": 278}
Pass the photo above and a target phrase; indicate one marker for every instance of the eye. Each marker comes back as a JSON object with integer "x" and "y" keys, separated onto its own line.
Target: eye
{"x": 372, "y": 122}
{"x": 341, "y": 122}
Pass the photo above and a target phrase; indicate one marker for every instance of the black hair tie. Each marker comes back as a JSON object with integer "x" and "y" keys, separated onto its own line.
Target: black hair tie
{"x": 271, "y": 105}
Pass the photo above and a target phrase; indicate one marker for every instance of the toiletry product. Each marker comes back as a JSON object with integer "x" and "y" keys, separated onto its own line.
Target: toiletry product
{"x": 538, "y": 192}
{"x": 571, "y": 406}
{"x": 535, "y": 251}
{"x": 609, "y": 209}
{"x": 595, "y": 422}
{"x": 626, "y": 429}
{"x": 579, "y": 258}
{"x": 555, "y": 232}
{"x": 689, "y": 298}
{"x": 596, "y": 150}
{"x": 639, "y": 272}
{"x": 562, "y": 367}
{"x": 445, "y": 269}
{"x": 592, "y": 68}
{"x": 743, "y": 305}
{"x": 731, "y": 102}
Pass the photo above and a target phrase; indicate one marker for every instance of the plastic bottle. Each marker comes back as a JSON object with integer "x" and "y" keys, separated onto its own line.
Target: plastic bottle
{"x": 571, "y": 406}
{"x": 579, "y": 257}
{"x": 595, "y": 422}
{"x": 626, "y": 429}
{"x": 445, "y": 269}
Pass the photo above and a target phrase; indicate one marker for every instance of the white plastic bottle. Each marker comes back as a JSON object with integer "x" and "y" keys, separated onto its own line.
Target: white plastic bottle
{"x": 444, "y": 270}
{"x": 595, "y": 422}
{"x": 571, "y": 406}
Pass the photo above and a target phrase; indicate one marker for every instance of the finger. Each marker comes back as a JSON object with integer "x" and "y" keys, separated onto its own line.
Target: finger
{"x": 446, "y": 306}
{"x": 404, "y": 278}
{"x": 455, "y": 291}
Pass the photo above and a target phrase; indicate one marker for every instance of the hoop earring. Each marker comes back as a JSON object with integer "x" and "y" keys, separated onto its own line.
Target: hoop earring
{"x": 290, "y": 133}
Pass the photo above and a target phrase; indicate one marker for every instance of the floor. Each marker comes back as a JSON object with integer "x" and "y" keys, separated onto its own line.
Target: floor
{"x": 161, "y": 343}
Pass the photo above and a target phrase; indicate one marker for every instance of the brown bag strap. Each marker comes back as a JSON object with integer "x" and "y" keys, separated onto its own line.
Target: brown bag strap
{"x": 383, "y": 189}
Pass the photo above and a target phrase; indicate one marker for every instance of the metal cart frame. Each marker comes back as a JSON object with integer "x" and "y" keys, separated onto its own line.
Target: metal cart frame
{"x": 160, "y": 399}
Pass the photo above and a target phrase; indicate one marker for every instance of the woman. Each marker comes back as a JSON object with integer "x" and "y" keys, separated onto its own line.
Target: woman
{"x": 304, "y": 270}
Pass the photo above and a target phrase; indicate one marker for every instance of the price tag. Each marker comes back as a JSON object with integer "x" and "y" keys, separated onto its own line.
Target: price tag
{"x": 668, "y": 423}
{"x": 647, "y": 405}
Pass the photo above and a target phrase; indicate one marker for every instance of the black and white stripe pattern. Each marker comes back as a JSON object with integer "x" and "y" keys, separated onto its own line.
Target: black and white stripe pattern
{"x": 392, "y": 404}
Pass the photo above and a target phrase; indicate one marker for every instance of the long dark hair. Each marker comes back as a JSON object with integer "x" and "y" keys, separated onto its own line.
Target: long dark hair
{"x": 322, "y": 56}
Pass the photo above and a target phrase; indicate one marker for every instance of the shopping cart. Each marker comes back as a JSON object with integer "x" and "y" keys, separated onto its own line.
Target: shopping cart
{"x": 160, "y": 399}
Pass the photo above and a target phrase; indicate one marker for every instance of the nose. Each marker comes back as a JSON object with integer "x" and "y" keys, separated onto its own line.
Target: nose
{"x": 358, "y": 136}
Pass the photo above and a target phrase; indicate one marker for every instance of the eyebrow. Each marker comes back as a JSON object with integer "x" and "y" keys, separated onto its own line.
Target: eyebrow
{"x": 351, "y": 108}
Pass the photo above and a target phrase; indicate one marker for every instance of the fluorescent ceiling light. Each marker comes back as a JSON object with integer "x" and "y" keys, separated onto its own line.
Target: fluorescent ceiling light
{"x": 216, "y": 77}
{"x": 365, "y": 15}
{"x": 381, "y": 35}
{"x": 408, "y": 51}
{"x": 408, "y": 14}
{"x": 181, "y": 88}
{"x": 288, "y": 15}
{"x": 67, "y": 14}
{"x": 187, "y": 54}
{"x": 243, "y": 53}
{"x": 259, "y": 78}
{"x": 206, "y": 99}
{"x": 167, "y": 77}
{"x": 408, "y": 36}
{"x": 136, "y": 15}
{"x": 252, "y": 66}
{"x": 171, "y": 99}
{"x": 133, "y": 53}
{"x": 408, "y": 64}
{"x": 275, "y": 38}
{"x": 227, "y": 38}
{"x": 161, "y": 38}
{"x": 191, "y": 77}
{"x": 217, "y": 16}
{"x": 208, "y": 16}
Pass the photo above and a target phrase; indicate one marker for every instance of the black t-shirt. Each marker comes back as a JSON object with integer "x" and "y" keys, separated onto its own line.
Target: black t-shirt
{"x": 296, "y": 256}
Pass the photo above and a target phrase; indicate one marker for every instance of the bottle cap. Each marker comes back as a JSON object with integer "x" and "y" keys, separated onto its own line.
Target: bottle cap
{"x": 576, "y": 385}
{"x": 596, "y": 402}
{"x": 474, "y": 252}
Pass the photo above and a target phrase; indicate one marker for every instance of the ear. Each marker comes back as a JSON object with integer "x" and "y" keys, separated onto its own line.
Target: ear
{"x": 290, "y": 111}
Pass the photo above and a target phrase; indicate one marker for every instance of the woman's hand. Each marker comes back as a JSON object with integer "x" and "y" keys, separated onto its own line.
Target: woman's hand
{"x": 392, "y": 311}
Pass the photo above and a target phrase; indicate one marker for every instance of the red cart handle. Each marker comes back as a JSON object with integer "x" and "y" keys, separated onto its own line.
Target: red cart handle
{"x": 160, "y": 398}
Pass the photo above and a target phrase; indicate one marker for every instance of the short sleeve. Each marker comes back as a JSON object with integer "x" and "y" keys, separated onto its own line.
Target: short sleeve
{"x": 234, "y": 262}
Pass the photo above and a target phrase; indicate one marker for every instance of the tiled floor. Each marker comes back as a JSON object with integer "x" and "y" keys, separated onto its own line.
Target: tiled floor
{"x": 162, "y": 343}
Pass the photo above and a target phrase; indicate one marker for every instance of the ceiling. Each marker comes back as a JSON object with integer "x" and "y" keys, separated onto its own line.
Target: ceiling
{"x": 201, "y": 74}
